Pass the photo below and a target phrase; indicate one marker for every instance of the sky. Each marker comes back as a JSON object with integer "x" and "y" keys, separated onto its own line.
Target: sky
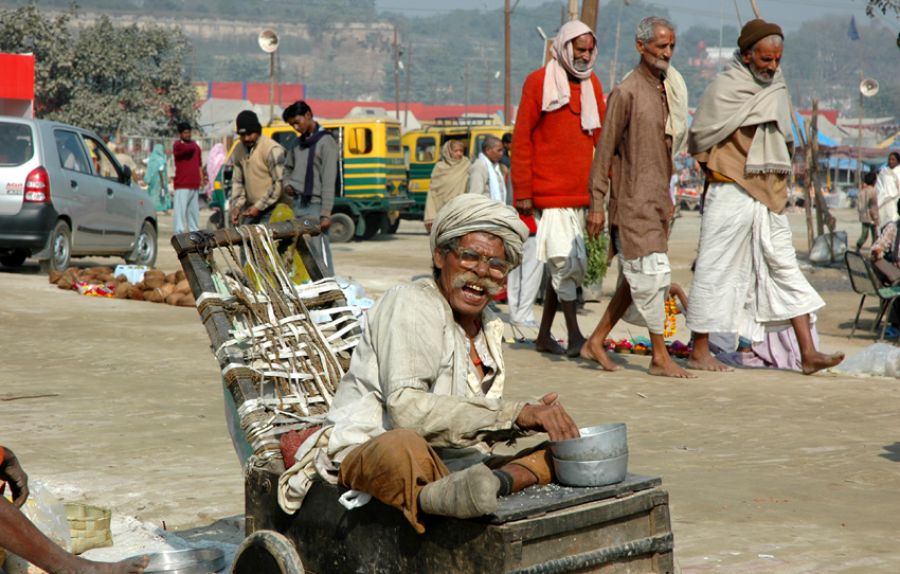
{"x": 790, "y": 14}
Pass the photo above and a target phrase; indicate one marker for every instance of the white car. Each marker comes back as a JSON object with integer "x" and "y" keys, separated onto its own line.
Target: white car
{"x": 64, "y": 195}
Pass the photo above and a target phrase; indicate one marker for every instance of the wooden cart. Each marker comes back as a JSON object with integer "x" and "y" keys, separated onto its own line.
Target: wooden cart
{"x": 622, "y": 528}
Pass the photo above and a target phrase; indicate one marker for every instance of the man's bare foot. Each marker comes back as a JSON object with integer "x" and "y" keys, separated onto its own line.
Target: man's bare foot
{"x": 597, "y": 353}
{"x": 574, "y": 348}
{"x": 707, "y": 363}
{"x": 669, "y": 368}
{"x": 819, "y": 361}
{"x": 549, "y": 345}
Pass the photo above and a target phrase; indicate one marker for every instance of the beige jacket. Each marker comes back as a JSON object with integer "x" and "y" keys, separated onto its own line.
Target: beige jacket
{"x": 412, "y": 370}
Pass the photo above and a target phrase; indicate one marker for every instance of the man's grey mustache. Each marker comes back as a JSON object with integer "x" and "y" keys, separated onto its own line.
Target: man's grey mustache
{"x": 469, "y": 278}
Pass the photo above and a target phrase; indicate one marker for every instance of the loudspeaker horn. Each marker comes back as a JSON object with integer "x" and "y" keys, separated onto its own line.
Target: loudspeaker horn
{"x": 868, "y": 87}
{"x": 268, "y": 41}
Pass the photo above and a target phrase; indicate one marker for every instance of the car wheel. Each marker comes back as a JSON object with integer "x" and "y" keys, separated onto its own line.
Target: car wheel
{"x": 145, "y": 247}
{"x": 342, "y": 228}
{"x": 14, "y": 259}
{"x": 60, "y": 248}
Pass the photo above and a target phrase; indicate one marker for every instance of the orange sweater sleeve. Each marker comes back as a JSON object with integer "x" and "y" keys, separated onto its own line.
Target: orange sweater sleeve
{"x": 523, "y": 146}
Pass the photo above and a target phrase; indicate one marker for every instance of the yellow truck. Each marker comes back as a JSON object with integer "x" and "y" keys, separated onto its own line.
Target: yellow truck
{"x": 422, "y": 150}
{"x": 373, "y": 183}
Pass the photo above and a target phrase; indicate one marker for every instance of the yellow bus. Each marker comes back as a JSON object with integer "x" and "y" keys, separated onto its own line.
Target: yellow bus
{"x": 422, "y": 149}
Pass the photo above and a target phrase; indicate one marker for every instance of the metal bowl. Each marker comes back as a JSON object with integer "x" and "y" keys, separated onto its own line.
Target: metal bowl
{"x": 596, "y": 443}
{"x": 191, "y": 561}
{"x": 591, "y": 472}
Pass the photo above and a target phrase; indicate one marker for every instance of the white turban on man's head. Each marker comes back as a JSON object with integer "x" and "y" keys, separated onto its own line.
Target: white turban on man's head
{"x": 468, "y": 213}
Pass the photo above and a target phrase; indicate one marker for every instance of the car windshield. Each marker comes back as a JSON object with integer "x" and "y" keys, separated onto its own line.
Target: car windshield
{"x": 16, "y": 144}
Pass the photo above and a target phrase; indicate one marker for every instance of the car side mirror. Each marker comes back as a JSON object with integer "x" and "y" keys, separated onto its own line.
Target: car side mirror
{"x": 126, "y": 175}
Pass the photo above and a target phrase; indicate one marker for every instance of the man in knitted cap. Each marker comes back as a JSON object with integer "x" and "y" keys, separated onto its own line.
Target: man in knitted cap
{"x": 746, "y": 271}
{"x": 421, "y": 406}
{"x": 256, "y": 186}
{"x": 636, "y": 150}
{"x": 557, "y": 127}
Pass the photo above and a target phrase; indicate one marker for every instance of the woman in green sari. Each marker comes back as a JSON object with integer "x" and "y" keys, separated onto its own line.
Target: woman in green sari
{"x": 157, "y": 177}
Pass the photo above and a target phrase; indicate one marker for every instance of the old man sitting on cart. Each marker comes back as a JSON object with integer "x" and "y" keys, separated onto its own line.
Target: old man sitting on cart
{"x": 421, "y": 405}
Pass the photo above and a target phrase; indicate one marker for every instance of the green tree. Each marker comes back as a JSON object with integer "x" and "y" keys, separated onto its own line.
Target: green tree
{"x": 108, "y": 79}
{"x": 882, "y": 5}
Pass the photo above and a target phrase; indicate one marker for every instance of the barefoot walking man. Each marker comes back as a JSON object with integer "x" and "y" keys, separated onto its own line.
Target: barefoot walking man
{"x": 634, "y": 147}
{"x": 746, "y": 264}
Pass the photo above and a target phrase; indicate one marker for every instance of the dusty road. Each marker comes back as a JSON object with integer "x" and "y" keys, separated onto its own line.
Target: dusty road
{"x": 768, "y": 471}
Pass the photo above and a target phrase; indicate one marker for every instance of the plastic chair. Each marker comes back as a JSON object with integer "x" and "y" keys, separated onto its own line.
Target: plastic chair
{"x": 866, "y": 283}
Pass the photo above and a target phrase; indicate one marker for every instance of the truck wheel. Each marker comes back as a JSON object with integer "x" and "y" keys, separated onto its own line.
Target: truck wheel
{"x": 145, "y": 247}
{"x": 60, "y": 248}
{"x": 392, "y": 229}
{"x": 373, "y": 225}
{"x": 14, "y": 259}
{"x": 342, "y": 228}
{"x": 266, "y": 552}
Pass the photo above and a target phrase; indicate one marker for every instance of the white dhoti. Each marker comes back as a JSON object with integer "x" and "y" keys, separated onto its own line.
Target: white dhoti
{"x": 560, "y": 244}
{"x": 523, "y": 284}
{"x": 746, "y": 267}
{"x": 648, "y": 279}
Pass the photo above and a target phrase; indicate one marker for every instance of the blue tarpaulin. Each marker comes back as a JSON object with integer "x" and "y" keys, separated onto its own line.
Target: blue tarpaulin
{"x": 823, "y": 139}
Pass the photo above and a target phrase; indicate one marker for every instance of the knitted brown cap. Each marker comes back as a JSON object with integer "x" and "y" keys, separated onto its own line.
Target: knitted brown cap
{"x": 754, "y": 31}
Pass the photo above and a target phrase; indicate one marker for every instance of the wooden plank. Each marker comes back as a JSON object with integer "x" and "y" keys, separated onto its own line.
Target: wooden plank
{"x": 552, "y": 497}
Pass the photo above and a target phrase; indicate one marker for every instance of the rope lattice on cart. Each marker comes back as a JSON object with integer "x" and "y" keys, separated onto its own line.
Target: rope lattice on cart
{"x": 291, "y": 342}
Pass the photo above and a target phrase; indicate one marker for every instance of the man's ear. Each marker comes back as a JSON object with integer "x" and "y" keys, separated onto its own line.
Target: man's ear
{"x": 745, "y": 57}
{"x": 439, "y": 258}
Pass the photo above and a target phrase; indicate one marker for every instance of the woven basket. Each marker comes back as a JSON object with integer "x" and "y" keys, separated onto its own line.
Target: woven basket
{"x": 89, "y": 526}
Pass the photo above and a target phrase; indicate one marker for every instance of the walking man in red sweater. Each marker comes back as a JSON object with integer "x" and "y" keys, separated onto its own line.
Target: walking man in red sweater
{"x": 188, "y": 177}
{"x": 557, "y": 127}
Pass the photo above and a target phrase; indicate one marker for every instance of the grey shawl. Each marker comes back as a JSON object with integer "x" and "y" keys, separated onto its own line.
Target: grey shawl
{"x": 735, "y": 99}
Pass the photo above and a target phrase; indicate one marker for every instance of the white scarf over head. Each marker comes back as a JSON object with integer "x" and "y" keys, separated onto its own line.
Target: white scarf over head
{"x": 556, "y": 92}
{"x": 473, "y": 212}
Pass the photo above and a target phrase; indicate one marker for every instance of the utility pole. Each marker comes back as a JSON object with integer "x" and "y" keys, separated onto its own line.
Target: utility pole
{"x": 396, "y": 74}
{"x": 573, "y": 10}
{"x": 615, "y": 60}
{"x": 507, "y": 66}
{"x": 408, "y": 73}
{"x": 466, "y": 83}
{"x": 590, "y": 10}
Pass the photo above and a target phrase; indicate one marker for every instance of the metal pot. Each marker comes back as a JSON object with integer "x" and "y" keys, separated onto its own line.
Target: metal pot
{"x": 591, "y": 472}
{"x": 596, "y": 443}
{"x": 191, "y": 561}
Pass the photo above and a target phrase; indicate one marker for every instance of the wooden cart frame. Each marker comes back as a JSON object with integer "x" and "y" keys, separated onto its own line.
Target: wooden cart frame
{"x": 621, "y": 528}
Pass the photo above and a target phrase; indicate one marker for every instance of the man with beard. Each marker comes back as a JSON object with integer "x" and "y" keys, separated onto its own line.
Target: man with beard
{"x": 415, "y": 418}
{"x": 746, "y": 269}
{"x": 635, "y": 148}
{"x": 258, "y": 172}
{"x": 557, "y": 127}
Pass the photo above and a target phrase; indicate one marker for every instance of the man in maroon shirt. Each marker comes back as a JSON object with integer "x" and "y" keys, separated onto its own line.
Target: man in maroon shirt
{"x": 188, "y": 176}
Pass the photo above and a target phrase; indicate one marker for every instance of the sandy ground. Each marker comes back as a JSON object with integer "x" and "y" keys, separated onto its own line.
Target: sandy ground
{"x": 768, "y": 471}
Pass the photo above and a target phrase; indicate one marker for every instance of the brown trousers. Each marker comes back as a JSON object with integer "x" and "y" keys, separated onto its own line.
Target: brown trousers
{"x": 395, "y": 466}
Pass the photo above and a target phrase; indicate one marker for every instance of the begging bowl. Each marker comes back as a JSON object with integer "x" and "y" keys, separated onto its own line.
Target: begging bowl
{"x": 192, "y": 561}
{"x": 591, "y": 472}
{"x": 596, "y": 443}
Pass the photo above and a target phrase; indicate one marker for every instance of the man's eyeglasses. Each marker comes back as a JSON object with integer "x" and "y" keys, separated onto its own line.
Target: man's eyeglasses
{"x": 470, "y": 259}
